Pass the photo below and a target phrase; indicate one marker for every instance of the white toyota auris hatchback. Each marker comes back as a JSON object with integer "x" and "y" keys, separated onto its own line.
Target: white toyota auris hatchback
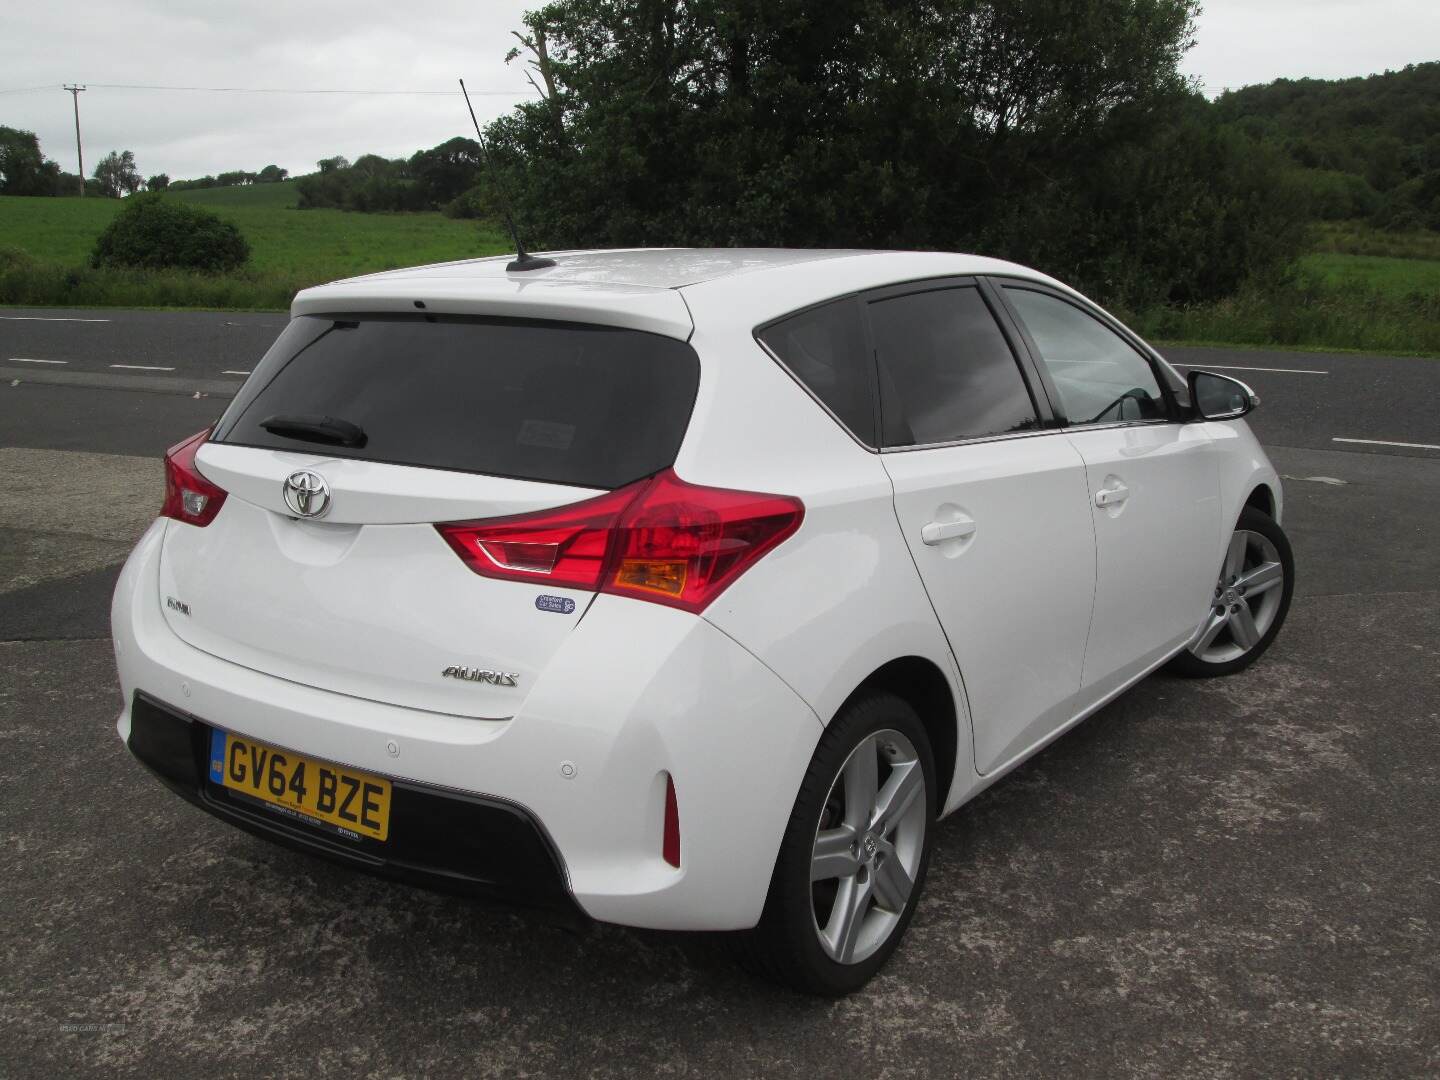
{"x": 683, "y": 589}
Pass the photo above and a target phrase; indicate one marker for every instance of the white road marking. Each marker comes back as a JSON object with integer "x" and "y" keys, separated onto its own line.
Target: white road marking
{"x": 1317, "y": 479}
{"x": 1382, "y": 442}
{"x": 141, "y": 367}
{"x": 234, "y": 373}
{"x": 46, "y": 318}
{"x": 1234, "y": 367}
{"x": 26, "y": 360}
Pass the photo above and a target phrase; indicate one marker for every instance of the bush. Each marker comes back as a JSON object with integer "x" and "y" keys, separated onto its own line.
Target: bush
{"x": 1337, "y": 196}
{"x": 152, "y": 232}
{"x": 1415, "y": 204}
{"x": 475, "y": 203}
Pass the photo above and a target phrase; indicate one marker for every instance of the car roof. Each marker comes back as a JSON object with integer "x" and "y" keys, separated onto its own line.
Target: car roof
{"x": 636, "y": 287}
{"x": 654, "y": 268}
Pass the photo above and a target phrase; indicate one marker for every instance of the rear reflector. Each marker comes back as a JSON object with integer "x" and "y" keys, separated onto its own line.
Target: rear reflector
{"x": 670, "y": 845}
{"x": 659, "y": 539}
{"x": 189, "y": 497}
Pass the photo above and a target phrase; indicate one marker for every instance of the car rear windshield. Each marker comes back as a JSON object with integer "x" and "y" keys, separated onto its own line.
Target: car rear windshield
{"x": 564, "y": 403}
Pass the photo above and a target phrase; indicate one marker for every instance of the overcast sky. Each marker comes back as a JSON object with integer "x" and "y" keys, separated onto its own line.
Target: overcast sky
{"x": 423, "y": 45}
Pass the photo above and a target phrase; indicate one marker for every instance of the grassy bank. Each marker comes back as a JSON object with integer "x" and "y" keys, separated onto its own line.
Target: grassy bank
{"x": 45, "y": 247}
{"x": 1308, "y": 314}
{"x": 1358, "y": 288}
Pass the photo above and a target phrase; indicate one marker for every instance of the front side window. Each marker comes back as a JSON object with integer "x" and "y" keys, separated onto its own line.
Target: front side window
{"x": 946, "y": 370}
{"x": 1100, "y": 377}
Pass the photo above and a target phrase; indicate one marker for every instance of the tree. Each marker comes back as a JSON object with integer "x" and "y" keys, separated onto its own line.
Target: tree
{"x": 23, "y": 170}
{"x": 117, "y": 174}
{"x": 271, "y": 174}
{"x": 371, "y": 184}
{"x": 333, "y": 164}
{"x": 446, "y": 171}
{"x": 158, "y": 182}
{"x": 958, "y": 124}
{"x": 234, "y": 178}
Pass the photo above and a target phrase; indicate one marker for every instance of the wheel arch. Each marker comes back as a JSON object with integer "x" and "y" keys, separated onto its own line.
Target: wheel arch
{"x": 921, "y": 684}
{"x": 1263, "y": 499}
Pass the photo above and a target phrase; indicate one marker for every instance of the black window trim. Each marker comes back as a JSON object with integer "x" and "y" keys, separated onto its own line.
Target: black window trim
{"x": 999, "y": 283}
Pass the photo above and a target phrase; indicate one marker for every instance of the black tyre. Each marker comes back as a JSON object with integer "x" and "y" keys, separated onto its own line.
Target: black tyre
{"x": 854, "y": 856}
{"x": 1250, "y": 601}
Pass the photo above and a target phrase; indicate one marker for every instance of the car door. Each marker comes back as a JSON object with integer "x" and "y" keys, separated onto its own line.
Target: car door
{"x": 993, "y": 507}
{"x": 1153, "y": 485}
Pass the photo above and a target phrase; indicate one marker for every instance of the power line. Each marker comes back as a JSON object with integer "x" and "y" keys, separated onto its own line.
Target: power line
{"x": 306, "y": 90}
{"x": 29, "y": 89}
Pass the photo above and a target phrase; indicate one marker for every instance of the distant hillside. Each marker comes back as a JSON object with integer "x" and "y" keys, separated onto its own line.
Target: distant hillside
{"x": 1370, "y": 147}
{"x": 1383, "y": 127}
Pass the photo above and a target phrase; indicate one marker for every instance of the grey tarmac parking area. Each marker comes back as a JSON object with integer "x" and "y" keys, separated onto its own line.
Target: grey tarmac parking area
{"x": 1235, "y": 877}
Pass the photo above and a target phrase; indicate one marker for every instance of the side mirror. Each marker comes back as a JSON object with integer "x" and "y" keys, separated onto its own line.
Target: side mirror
{"x": 1219, "y": 397}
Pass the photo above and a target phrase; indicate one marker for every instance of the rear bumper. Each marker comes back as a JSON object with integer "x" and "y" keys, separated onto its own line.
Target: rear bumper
{"x": 635, "y": 692}
{"x": 441, "y": 840}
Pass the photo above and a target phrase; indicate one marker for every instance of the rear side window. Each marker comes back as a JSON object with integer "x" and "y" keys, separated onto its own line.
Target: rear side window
{"x": 824, "y": 348}
{"x": 946, "y": 370}
{"x": 563, "y": 403}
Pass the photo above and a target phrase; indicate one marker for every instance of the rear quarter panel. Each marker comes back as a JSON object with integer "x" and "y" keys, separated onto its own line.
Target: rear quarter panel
{"x": 841, "y": 597}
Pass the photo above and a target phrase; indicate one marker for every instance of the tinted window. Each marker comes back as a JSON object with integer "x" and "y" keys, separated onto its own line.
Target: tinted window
{"x": 825, "y": 349}
{"x": 946, "y": 372}
{"x": 1101, "y": 379}
{"x": 564, "y": 403}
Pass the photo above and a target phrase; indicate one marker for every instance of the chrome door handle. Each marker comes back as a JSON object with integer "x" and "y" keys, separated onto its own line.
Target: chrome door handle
{"x": 939, "y": 531}
{"x": 1114, "y": 495}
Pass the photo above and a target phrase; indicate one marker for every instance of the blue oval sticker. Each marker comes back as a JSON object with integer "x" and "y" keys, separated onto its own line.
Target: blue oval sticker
{"x": 561, "y": 605}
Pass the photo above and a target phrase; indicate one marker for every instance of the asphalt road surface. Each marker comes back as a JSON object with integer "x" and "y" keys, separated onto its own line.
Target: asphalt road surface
{"x": 1235, "y": 877}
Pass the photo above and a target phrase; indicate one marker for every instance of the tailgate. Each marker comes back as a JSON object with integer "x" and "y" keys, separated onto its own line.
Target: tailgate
{"x": 442, "y": 420}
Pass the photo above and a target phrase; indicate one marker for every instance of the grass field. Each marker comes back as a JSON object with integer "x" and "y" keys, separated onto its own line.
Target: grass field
{"x": 1357, "y": 238}
{"x": 1358, "y": 288}
{"x": 45, "y": 247}
{"x": 255, "y": 197}
{"x": 1383, "y": 274}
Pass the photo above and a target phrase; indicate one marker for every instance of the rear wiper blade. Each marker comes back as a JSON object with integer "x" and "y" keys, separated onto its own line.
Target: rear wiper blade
{"x": 319, "y": 429}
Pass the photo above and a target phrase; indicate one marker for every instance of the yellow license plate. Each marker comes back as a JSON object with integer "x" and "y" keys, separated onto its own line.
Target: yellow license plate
{"x": 351, "y": 801}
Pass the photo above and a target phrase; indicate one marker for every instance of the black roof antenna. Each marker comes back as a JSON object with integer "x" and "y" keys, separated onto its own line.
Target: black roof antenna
{"x": 523, "y": 259}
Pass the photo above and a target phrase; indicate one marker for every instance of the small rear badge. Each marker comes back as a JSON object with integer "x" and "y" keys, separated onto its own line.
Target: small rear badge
{"x": 470, "y": 674}
{"x": 561, "y": 605}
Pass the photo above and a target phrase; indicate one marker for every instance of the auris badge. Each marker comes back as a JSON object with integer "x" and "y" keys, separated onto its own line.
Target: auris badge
{"x": 470, "y": 674}
{"x": 306, "y": 493}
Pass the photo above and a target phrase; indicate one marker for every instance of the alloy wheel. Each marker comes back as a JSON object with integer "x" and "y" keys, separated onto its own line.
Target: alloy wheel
{"x": 1247, "y": 598}
{"x": 868, "y": 846}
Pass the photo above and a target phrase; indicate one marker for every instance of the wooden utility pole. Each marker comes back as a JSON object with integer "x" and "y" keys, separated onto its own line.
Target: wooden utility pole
{"x": 79, "y": 157}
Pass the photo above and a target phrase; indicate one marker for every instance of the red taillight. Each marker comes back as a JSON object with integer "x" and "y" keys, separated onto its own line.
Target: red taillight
{"x": 670, "y": 843}
{"x": 189, "y": 497}
{"x": 659, "y": 539}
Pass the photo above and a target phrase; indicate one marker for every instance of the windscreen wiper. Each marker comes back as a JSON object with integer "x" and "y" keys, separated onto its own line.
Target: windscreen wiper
{"x": 318, "y": 429}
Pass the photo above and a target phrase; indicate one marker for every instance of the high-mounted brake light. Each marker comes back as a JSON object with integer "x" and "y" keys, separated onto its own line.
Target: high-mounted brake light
{"x": 189, "y": 497}
{"x": 659, "y": 539}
